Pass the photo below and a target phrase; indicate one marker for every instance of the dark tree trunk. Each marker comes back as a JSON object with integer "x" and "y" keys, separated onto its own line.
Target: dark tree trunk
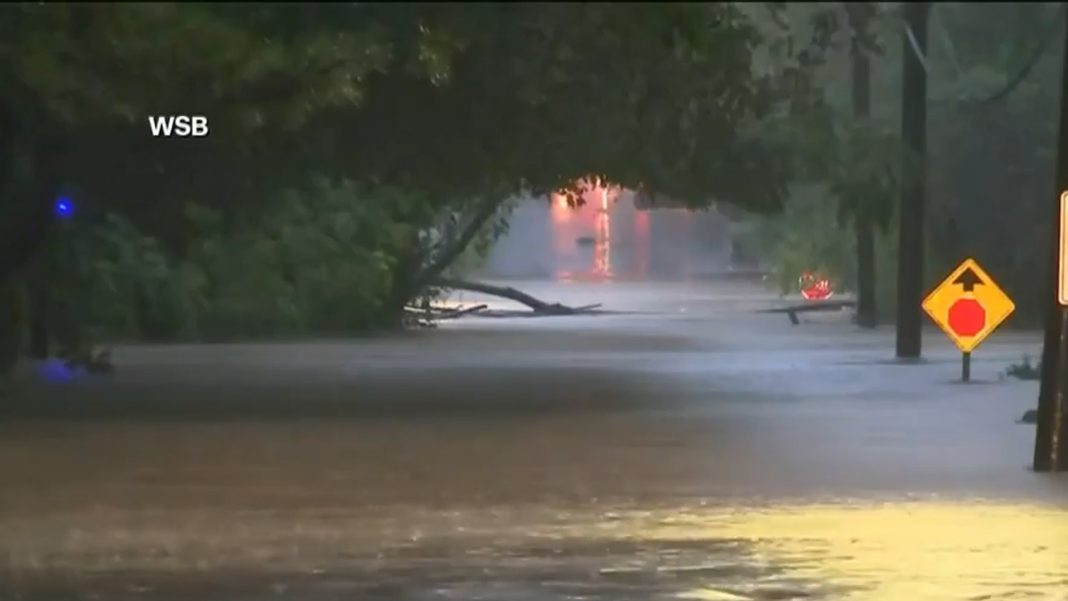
{"x": 26, "y": 206}
{"x": 10, "y": 328}
{"x": 33, "y": 223}
{"x": 23, "y": 237}
{"x": 1051, "y": 437}
{"x": 484, "y": 211}
{"x": 404, "y": 273}
{"x": 914, "y": 134}
{"x": 40, "y": 348}
{"x": 415, "y": 273}
{"x": 866, "y": 316}
{"x": 859, "y": 14}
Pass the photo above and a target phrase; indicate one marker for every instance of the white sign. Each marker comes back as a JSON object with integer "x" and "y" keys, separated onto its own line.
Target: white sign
{"x": 1062, "y": 287}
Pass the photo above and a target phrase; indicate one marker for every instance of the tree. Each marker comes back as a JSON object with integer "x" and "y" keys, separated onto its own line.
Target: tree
{"x": 993, "y": 102}
{"x": 540, "y": 96}
{"x": 78, "y": 82}
{"x": 859, "y": 14}
{"x": 461, "y": 106}
{"x": 852, "y": 157}
{"x": 990, "y": 145}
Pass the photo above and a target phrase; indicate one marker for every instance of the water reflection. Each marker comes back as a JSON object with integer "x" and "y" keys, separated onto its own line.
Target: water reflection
{"x": 914, "y": 550}
{"x": 559, "y": 459}
{"x": 641, "y": 244}
{"x": 609, "y": 238}
{"x": 602, "y": 250}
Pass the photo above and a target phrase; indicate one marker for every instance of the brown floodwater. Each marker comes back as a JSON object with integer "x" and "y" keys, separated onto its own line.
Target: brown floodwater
{"x": 690, "y": 449}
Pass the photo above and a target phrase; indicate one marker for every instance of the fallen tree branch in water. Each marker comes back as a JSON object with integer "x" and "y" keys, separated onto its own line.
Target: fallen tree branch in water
{"x": 538, "y": 306}
{"x": 437, "y": 313}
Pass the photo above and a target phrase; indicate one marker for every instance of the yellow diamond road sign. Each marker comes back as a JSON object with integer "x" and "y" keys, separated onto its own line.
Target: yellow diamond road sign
{"x": 968, "y": 305}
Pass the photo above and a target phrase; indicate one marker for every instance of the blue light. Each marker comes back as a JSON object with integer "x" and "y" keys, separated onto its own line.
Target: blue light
{"x": 64, "y": 207}
{"x": 57, "y": 371}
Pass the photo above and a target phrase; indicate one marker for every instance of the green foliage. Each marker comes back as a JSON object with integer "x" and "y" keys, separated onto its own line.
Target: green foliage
{"x": 106, "y": 278}
{"x": 806, "y": 237}
{"x": 81, "y": 64}
{"x": 1025, "y": 370}
{"x": 317, "y": 260}
{"x": 991, "y": 164}
{"x": 808, "y": 51}
{"x": 476, "y": 253}
{"x": 134, "y": 288}
{"x": 461, "y": 105}
{"x": 536, "y": 100}
{"x": 325, "y": 258}
{"x": 865, "y": 173}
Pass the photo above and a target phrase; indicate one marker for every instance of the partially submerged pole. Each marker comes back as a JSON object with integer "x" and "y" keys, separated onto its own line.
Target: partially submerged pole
{"x": 1051, "y": 438}
{"x": 914, "y": 134}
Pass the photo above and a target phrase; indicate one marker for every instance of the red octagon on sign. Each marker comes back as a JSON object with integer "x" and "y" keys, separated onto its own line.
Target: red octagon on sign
{"x": 967, "y": 317}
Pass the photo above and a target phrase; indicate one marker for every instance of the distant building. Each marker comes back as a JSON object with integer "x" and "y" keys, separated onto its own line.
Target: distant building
{"x": 609, "y": 238}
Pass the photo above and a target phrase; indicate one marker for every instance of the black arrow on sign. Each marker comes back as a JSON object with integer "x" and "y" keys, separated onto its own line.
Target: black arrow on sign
{"x": 968, "y": 280}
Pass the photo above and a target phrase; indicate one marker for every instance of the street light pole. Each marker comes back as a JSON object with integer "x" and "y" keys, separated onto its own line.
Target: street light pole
{"x": 1051, "y": 437}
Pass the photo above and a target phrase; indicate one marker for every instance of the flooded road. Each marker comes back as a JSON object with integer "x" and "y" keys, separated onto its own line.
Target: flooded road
{"x": 686, "y": 449}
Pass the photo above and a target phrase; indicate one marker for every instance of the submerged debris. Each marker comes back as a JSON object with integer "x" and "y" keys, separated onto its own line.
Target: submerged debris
{"x": 538, "y": 307}
{"x": 98, "y": 362}
{"x": 1025, "y": 370}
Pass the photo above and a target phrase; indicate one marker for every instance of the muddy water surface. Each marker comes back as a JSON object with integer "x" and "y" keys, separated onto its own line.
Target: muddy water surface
{"x": 688, "y": 450}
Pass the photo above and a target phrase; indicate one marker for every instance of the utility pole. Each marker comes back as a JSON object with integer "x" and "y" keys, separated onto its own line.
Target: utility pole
{"x": 1051, "y": 436}
{"x": 914, "y": 134}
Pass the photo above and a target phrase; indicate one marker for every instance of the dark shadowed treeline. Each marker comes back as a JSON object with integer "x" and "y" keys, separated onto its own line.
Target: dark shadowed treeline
{"x": 356, "y": 151}
{"x": 993, "y": 73}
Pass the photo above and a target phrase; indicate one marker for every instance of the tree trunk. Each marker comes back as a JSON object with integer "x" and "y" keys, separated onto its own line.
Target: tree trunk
{"x": 22, "y": 235}
{"x": 866, "y": 316}
{"x": 859, "y": 15}
{"x": 413, "y": 276}
{"x": 914, "y": 134}
{"x": 38, "y": 320}
{"x": 401, "y": 291}
{"x": 483, "y": 213}
{"x": 26, "y": 217}
{"x": 1051, "y": 432}
{"x": 10, "y": 328}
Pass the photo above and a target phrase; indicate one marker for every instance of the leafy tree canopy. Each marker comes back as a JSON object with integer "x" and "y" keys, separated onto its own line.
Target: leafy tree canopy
{"x": 457, "y": 99}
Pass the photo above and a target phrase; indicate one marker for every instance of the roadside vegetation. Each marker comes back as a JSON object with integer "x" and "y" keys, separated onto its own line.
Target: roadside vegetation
{"x": 360, "y": 153}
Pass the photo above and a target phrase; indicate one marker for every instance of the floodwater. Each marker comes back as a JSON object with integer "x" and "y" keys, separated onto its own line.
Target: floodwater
{"x": 609, "y": 238}
{"x": 685, "y": 448}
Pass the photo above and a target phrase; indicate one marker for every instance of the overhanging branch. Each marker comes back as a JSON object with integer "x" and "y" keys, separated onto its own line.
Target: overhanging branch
{"x": 484, "y": 212}
{"x": 1036, "y": 55}
{"x": 915, "y": 45}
